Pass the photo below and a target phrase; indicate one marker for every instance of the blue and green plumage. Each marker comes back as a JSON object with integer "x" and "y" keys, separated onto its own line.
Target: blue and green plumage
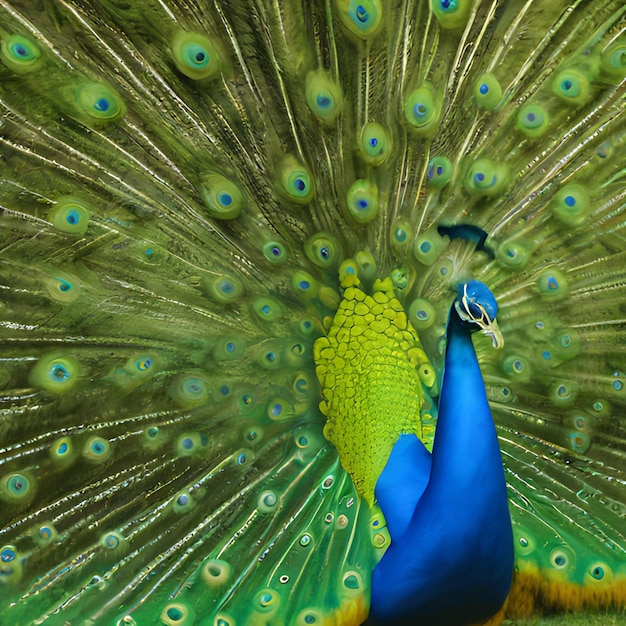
{"x": 196, "y": 198}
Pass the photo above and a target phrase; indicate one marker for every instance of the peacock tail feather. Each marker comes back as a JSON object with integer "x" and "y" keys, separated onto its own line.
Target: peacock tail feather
{"x": 230, "y": 235}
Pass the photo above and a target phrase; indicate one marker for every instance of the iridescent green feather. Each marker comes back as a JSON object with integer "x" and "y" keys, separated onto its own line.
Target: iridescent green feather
{"x": 185, "y": 189}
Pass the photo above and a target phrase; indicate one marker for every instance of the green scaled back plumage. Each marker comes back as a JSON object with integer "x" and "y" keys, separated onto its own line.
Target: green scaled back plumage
{"x": 188, "y": 192}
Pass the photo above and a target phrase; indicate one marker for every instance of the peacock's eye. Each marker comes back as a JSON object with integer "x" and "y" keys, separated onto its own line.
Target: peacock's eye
{"x": 98, "y": 103}
{"x": 296, "y": 183}
{"x": 451, "y": 14}
{"x": 362, "y": 200}
{"x": 362, "y": 18}
{"x": 323, "y": 96}
{"x": 195, "y": 56}
{"x": 275, "y": 252}
{"x": 322, "y": 249}
{"x": 422, "y": 110}
{"x": 20, "y": 54}
{"x": 532, "y": 120}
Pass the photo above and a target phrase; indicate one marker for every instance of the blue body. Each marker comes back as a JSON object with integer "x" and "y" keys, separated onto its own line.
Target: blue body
{"x": 451, "y": 554}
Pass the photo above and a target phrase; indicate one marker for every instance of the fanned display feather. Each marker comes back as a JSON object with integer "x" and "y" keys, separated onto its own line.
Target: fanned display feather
{"x": 232, "y": 238}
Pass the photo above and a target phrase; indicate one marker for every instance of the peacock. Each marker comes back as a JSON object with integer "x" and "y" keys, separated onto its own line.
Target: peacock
{"x": 312, "y": 312}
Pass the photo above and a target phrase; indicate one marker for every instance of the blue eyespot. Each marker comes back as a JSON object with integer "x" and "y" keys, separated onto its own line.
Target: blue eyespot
{"x": 226, "y": 286}
{"x": 323, "y": 95}
{"x": 195, "y": 55}
{"x": 225, "y": 199}
{"x": 64, "y": 285}
{"x": 361, "y": 14}
{"x": 189, "y": 443}
{"x": 448, "y": 5}
{"x": 532, "y": 120}
{"x": 351, "y": 580}
{"x": 72, "y": 217}
{"x": 265, "y": 599}
{"x": 102, "y": 104}
{"x": 362, "y": 19}
{"x": 61, "y": 449}
{"x": 274, "y": 252}
{"x": 296, "y": 180}
{"x": 562, "y": 391}
{"x": 20, "y": 50}
{"x": 98, "y": 447}
{"x": 252, "y": 435}
{"x": 400, "y": 235}
{"x": 97, "y": 450}
{"x": 59, "y": 373}
{"x": 18, "y": 484}
{"x": 143, "y": 364}
{"x": 20, "y": 53}
{"x": 194, "y": 387}
{"x": 479, "y": 181}
{"x": 46, "y": 533}
{"x": 8, "y": 554}
{"x": 110, "y": 541}
{"x": 301, "y": 385}
{"x": 323, "y": 101}
{"x": 175, "y": 614}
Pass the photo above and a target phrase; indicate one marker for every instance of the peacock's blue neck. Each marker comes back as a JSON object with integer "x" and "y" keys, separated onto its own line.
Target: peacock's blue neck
{"x": 466, "y": 446}
{"x": 453, "y": 563}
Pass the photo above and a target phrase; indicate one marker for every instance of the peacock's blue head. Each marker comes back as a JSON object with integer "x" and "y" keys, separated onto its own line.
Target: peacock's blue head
{"x": 476, "y": 305}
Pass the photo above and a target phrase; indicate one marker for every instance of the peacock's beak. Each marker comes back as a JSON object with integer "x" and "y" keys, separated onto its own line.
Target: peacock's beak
{"x": 492, "y": 330}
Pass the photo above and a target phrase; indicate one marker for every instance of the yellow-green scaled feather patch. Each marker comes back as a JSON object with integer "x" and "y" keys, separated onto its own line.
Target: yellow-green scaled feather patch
{"x": 368, "y": 366}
